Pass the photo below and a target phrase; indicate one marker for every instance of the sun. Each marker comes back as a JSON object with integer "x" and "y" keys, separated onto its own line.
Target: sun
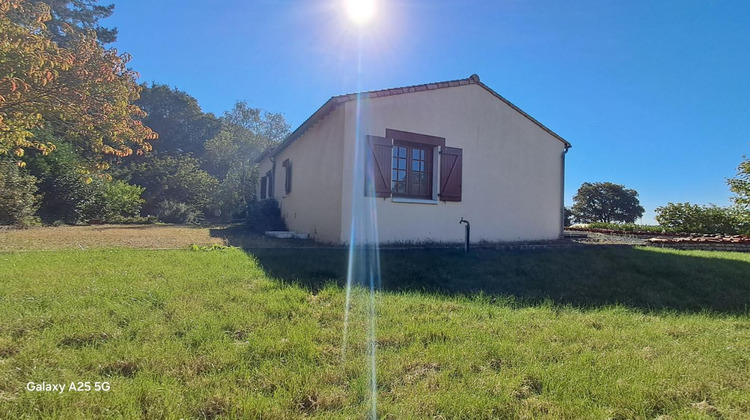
{"x": 360, "y": 11}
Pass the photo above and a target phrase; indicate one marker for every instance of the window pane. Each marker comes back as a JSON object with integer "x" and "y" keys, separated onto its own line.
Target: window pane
{"x": 415, "y": 165}
{"x": 402, "y": 152}
{"x": 402, "y": 164}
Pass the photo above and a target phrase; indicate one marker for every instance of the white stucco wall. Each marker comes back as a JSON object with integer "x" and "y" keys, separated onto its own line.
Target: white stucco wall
{"x": 314, "y": 204}
{"x": 511, "y": 168}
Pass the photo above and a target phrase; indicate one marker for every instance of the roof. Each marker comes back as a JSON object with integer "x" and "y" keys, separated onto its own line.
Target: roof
{"x": 335, "y": 101}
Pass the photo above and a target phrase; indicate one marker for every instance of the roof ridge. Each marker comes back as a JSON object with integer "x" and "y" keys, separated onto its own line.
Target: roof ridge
{"x": 337, "y": 100}
{"x": 473, "y": 79}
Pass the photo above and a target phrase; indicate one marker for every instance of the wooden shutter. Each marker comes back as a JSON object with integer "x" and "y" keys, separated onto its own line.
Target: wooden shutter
{"x": 450, "y": 174}
{"x": 269, "y": 177}
{"x": 263, "y": 187}
{"x": 378, "y": 166}
{"x": 287, "y": 176}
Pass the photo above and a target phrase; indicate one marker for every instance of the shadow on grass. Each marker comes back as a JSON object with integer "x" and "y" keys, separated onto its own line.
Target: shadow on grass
{"x": 641, "y": 278}
{"x": 240, "y": 236}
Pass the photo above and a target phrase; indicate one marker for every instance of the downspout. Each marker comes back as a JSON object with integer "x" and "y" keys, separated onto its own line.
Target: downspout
{"x": 562, "y": 190}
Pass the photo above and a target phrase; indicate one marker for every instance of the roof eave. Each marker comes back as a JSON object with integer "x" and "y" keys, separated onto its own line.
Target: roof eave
{"x": 335, "y": 101}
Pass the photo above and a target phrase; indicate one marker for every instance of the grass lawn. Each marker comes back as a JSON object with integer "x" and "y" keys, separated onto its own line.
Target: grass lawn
{"x": 572, "y": 333}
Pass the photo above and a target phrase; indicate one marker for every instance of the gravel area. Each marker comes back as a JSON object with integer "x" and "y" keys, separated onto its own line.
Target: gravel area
{"x": 594, "y": 238}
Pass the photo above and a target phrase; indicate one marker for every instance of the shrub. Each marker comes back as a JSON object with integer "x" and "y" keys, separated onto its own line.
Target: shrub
{"x": 265, "y": 215}
{"x": 177, "y": 212}
{"x": 122, "y": 199}
{"x": 175, "y": 179}
{"x": 693, "y": 218}
{"x": 18, "y": 201}
{"x": 66, "y": 196}
{"x": 630, "y": 227}
{"x": 134, "y": 220}
{"x": 111, "y": 200}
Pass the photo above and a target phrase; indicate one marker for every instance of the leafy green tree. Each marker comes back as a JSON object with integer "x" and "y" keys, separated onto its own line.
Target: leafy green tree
{"x": 112, "y": 200}
{"x": 245, "y": 133}
{"x": 172, "y": 178}
{"x": 83, "y": 15}
{"x": 71, "y": 193}
{"x": 606, "y": 202}
{"x": 18, "y": 199}
{"x": 267, "y": 125}
{"x": 230, "y": 155}
{"x": 182, "y": 126}
{"x": 740, "y": 185}
{"x": 62, "y": 183}
{"x": 568, "y": 216}
{"x": 692, "y": 218}
{"x": 235, "y": 191}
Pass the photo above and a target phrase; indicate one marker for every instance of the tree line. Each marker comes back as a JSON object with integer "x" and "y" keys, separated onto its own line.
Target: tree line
{"x": 81, "y": 140}
{"x": 606, "y": 202}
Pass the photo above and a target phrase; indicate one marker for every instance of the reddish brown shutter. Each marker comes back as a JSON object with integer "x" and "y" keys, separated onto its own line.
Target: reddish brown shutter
{"x": 450, "y": 174}
{"x": 287, "y": 176}
{"x": 378, "y": 166}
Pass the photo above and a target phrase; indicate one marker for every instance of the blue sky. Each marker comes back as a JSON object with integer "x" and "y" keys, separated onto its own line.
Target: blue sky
{"x": 652, "y": 95}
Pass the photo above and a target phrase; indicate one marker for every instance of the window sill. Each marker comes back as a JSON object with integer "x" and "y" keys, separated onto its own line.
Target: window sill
{"x": 413, "y": 200}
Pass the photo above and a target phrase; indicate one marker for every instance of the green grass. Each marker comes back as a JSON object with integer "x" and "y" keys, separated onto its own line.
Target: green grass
{"x": 199, "y": 334}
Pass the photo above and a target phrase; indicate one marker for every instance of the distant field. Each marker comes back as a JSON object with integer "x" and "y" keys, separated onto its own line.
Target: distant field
{"x": 244, "y": 334}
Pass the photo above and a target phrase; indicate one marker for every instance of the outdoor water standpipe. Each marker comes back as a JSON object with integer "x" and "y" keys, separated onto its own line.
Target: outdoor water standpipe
{"x": 468, "y": 233}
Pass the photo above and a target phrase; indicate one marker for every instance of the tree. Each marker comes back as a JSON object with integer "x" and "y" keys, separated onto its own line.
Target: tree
{"x": 693, "y": 218}
{"x": 740, "y": 185}
{"x": 18, "y": 200}
{"x": 606, "y": 202}
{"x": 230, "y": 155}
{"x": 178, "y": 179}
{"x": 80, "y": 15}
{"x": 178, "y": 119}
{"x": 567, "y": 216}
{"x": 245, "y": 133}
{"x": 81, "y": 91}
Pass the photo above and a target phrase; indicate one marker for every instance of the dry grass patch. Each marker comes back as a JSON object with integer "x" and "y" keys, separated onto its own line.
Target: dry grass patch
{"x": 106, "y": 236}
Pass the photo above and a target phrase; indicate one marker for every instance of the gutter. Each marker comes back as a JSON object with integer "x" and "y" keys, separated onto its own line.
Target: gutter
{"x": 562, "y": 188}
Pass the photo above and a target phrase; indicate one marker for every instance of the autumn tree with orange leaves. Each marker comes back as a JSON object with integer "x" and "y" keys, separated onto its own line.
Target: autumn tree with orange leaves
{"x": 82, "y": 91}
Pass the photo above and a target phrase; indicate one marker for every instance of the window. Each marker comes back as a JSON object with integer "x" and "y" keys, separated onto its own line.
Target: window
{"x": 287, "y": 176}
{"x": 411, "y": 173}
{"x": 401, "y": 165}
{"x": 266, "y": 186}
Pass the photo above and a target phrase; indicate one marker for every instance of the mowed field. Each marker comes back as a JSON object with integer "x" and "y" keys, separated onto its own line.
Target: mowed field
{"x": 574, "y": 333}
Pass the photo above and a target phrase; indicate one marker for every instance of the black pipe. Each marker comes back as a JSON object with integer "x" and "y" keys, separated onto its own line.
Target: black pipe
{"x": 468, "y": 233}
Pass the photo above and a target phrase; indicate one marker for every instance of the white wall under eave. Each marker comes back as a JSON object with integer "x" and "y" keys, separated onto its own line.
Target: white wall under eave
{"x": 314, "y": 204}
{"x": 511, "y": 168}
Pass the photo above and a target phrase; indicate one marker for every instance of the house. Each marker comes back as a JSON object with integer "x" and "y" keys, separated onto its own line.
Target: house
{"x": 413, "y": 161}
